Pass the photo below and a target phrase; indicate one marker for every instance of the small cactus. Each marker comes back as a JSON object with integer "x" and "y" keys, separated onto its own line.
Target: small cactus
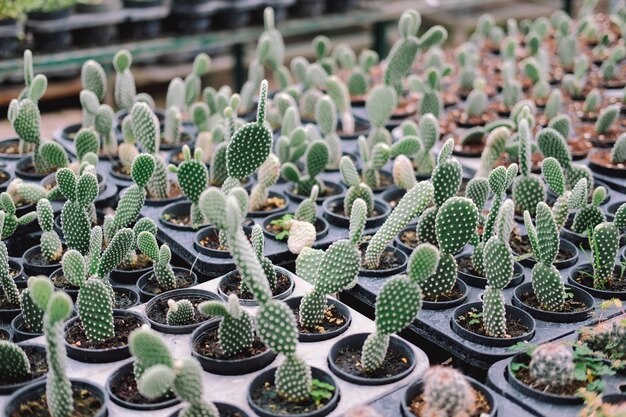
{"x": 357, "y": 189}
{"x": 235, "y": 332}
{"x": 51, "y": 246}
{"x": 447, "y": 393}
{"x": 268, "y": 175}
{"x": 380, "y": 103}
{"x": 179, "y": 313}
{"x": 590, "y": 214}
{"x": 146, "y": 242}
{"x": 377, "y": 157}
{"x": 317, "y": 156}
{"x": 148, "y": 349}
{"x": 14, "y": 363}
{"x": 528, "y": 189}
{"x": 125, "y": 90}
{"x": 193, "y": 178}
{"x": 607, "y": 116}
{"x": 552, "y": 364}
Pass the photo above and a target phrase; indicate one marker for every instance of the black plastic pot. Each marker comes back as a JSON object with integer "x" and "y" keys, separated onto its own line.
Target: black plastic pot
{"x": 142, "y": 29}
{"x": 393, "y": 194}
{"x": 36, "y": 390}
{"x": 117, "y": 375}
{"x": 446, "y": 304}
{"x": 19, "y": 271}
{"x": 338, "y": 6}
{"x": 215, "y": 253}
{"x": 511, "y": 313}
{"x": 481, "y": 282}
{"x": 380, "y": 273}
{"x": 132, "y": 295}
{"x": 100, "y": 355}
{"x": 272, "y": 194}
{"x": 20, "y": 334}
{"x": 566, "y": 263}
{"x": 31, "y": 268}
{"x": 308, "y": 8}
{"x": 68, "y": 132}
{"x": 71, "y": 291}
{"x": 321, "y": 225}
{"x": 222, "y": 408}
{"x": 603, "y": 294}
{"x": 227, "y": 366}
{"x": 128, "y": 277}
{"x": 340, "y": 307}
{"x": 7, "y": 179}
{"x": 337, "y": 188}
{"x": 58, "y": 40}
{"x": 268, "y": 377}
{"x": 11, "y": 156}
{"x": 20, "y": 170}
{"x": 555, "y": 316}
{"x": 228, "y": 278}
{"x": 179, "y": 208}
{"x": 11, "y": 388}
{"x": 535, "y": 393}
{"x": 340, "y": 220}
{"x": 146, "y": 296}
{"x": 177, "y": 295}
{"x": 578, "y": 239}
{"x": 119, "y": 176}
{"x": 416, "y": 388}
{"x": 356, "y": 341}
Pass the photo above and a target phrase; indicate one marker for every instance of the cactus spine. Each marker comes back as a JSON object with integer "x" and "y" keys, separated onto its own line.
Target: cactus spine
{"x": 552, "y": 364}
{"x": 447, "y": 393}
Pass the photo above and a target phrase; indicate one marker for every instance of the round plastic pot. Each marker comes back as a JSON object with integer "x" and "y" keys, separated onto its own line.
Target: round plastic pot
{"x": 337, "y": 188}
{"x": 159, "y": 202}
{"x": 578, "y": 239}
{"x": 178, "y": 295}
{"x": 555, "y": 316}
{"x": 36, "y": 390}
{"x": 320, "y": 224}
{"x": 116, "y": 376}
{"x": 19, "y": 270}
{"x": 535, "y": 393}
{"x": 222, "y": 408}
{"x": 268, "y": 377}
{"x": 20, "y": 334}
{"x": 119, "y": 176}
{"x": 146, "y": 296}
{"x": 227, "y": 366}
{"x": 393, "y": 194}
{"x": 416, "y": 388}
{"x": 5, "y": 183}
{"x": 381, "y": 273}
{"x": 446, "y": 304}
{"x": 12, "y": 156}
{"x": 384, "y": 174}
{"x": 228, "y": 278}
{"x": 340, "y": 220}
{"x": 8, "y": 314}
{"x": 20, "y": 170}
{"x": 272, "y": 194}
{"x": 356, "y": 341}
{"x": 603, "y": 294}
{"x": 565, "y": 263}
{"x": 100, "y": 355}
{"x": 128, "y": 277}
{"x": 481, "y": 282}
{"x": 511, "y": 313}
{"x": 11, "y": 388}
{"x": 398, "y": 243}
{"x": 32, "y": 269}
{"x": 340, "y": 308}
{"x": 214, "y": 253}
{"x": 180, "y": 208}
{"x": 131, "y": 293}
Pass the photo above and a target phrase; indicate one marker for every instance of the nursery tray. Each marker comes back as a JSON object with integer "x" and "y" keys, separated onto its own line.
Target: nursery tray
{"x": 233, "y": 388}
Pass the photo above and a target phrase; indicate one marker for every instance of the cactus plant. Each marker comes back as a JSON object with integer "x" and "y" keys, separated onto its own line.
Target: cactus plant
{"x": 604, "y": 246}
{"x": 57, "y": 307}
{"x": 380, "y": 104}
{"x": 326, "y": 117}
{"x": 179, "y": 313}
{"x": 268, "y": 175}
{"x": 148, "y": 350}
{"x": 590, "y": 214}
{"x": 552, "y": 364}
{"x": 51, "y": 246}
{"x": 125, "y": 90}
{"x": 498, "y": 264}
{"x": 447, "y": 393}
{"x": 376, "y": 158}
{"x": 317, "y": 156}
{"x": 410, "y": 205}
{"x": 14, "y": 362}
{"x": 618, "y": 153}
{"x": 397, "y": 305}
{"x": 606, "y": 118}
{"x": 89, "y": 273}
{"x": 357, "y": 189}
{"x": 528, "y": 189}
{"x": 31, "y": 313}
{"x": 11, "y": 222}
{"x": 193, "y": 178}
{"x": 146, "y": 242}
{"x": 235, "y": 332}
{"x": 403, "y": 173}
{"x": 302, "y": 232}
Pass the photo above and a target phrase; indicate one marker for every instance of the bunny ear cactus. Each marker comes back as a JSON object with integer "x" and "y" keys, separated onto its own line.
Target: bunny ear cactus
{"x": 326, "y": 117}
{"x": 403, "y": 174}
{"x": 10, "y": 221}
{"x": 376, "y": 158}
{"x": 251, "y": 144}
{"x": 528, "y": 189}
{"x": 57, "y": 307}
{"x": 410, "y": 205}
{"x": 607, "y": 116}
{"x": 94, "y": 79}
{"x": 590, "y": 214}
{"x": 268, "y": 175}
{"x": 148, "y": 350}
{"x": 90, "y": 104}
{"x": 258, "y": 244}
{"x": 179, "y": 313}
{"x": 147, "y": 244}
{"x": 317, "y": 156}
{"x": 380, "y": 105}
{"x": 14, "y": 363}
{"x": 604, "y": 245}
{"x": 555, "y": 178}
{"x": 125, "y": 90}
{"x": 397, "y": 305}
{"x": 428, "y": 134}
{"x": 193, "y": 178}
{"x": 544, "y": 240}
{"x": 498, "y": 264}
{"x": 618, "y": 153}
{"x": 31, "y": 313}
{"x": 51, "y": 246}
{"x": 9, "y": 288}
{"x": 235, "y": 332}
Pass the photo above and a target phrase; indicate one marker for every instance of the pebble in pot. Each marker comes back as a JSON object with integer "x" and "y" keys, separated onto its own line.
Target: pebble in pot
{"x": 379, "y": 358}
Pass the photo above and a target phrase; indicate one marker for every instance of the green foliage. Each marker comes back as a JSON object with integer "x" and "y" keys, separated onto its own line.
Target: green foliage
{"x": 148, "y": 349}
{"x": 179, "y": 313}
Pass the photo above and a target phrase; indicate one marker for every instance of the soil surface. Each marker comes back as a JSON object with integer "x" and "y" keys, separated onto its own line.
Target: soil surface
{"x": 349, "y": 361}
{"x": 332, "y": 321}
{"x": 138, "y": 262}
{"x": 616, "y": 284}
{"x": 481, "y": 405}
{"x": 209, "y": 346}
{"x": 40, "y": 260}
{"x": 178, "y": 219}
{"x": 323, "y": 193}
{"x": 266, "y": 397}
{"x": 60, "y": 281}
{"x": 158, "y": 312}
{"x": 122, "y": 299}
{"x": 603, "y": 158}
{"x": 521, "y": 245}
{"x": 409, "y": 238}
{"x": 76, "y": 337}
{"x": 464, "y": 264}
{"x": 121, "y": 170}
{"x": 388, "y": 260}
{"x": 514, "y": 328}
{"x": 570, "y": 306}
{"x": 272, "y": 203}
{"x": 454, "y": 294}
{"x": 338, "y": 209}
{"x": 183, "y": 280}
{"x": 85, "y": 405}
{"x": 126, "y": 389}
{"x": 38, "y": 366}
{"x": 233, "y": 285}
{"x": 174, "y": 192}
{"x": 604, "y": 140}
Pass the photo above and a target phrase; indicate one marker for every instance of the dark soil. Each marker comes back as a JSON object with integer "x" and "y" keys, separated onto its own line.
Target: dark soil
{"x": 514, "y": 328}
{"x": 183, "y": 280}
{"x": 209, "y": 346}
{"x": 272, "y": 203}
{"x": 332, "y": 321}
{"x": 409, "y": 238}
{"x": 521, "y": 245}
{"x": 454, "y": 294}
{"x": 158, "y": 312}
{"x": 323, "y": 193}
{"x": 603, "y": 158}
{"x": 40, "y": 260}
{"x": 60, "y": 281}
{"x": 11, "y": 148}
{"x": 140, "y": 261}
{"x": 481, "y": 405}
{"x": 3, "y": 177}
{"x": 233, "y": 286}
{"x": 212, "y": 241}
{"x": 38, "y": 366}
{"x": 349, "y": 360}
{"x": 122, "y": 299}
{"x": 570, "y": 306}
{"x": 75, "y": 335}
{"x": 266, "y": 396}
{"x": 388, "y": 260}
{"x": 30, "y": 168}
{"x": 523, "y": 375}
{"x": 605, "y": 140}
{"x": 579, "y": 147}
{"x": 616, "y": 284}
{"x": 125, "y": 388}
{"x": 85, "y": 405}
{"x": 464, "y": 264}
{"x": 4, "y": 335}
